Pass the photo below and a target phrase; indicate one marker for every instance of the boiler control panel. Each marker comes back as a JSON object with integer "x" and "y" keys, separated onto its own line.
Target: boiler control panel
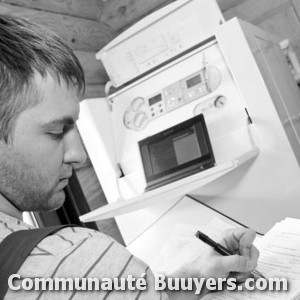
{"x": 142, "y": 110}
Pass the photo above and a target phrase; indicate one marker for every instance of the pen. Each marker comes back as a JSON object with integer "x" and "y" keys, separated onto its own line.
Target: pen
{"x": 221, "y": 249}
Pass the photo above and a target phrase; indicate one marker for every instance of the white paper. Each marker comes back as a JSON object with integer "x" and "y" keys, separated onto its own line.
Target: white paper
{"x": 279, "y": 258}
{"x": 182, "y": 246}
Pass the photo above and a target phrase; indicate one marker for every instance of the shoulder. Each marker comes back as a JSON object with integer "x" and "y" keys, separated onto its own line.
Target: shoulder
{"x": 72, "y": 238}
{"x": 75, "y": 252}
{"x": 9, "y": 225}
{"x": 90, "y": 249}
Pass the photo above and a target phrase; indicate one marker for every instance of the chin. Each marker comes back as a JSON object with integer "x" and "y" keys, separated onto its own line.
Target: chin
{"x": 56, "y": 201}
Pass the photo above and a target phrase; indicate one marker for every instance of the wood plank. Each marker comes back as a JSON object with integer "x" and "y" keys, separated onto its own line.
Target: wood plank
{"x": 94, "y": 91}
{"x": 93, "y": 68}
{"x": 254, "y": 11}
{"x": 280, "y": 17}
{"x": 228, "y": 4}
{"x": 95, "y": 197}
{"x": 89, "y": 9}
{"x": 80, "y": 34}
{"x": 285, "y": 25}
{"x": 120, "y": 14}
{"x": 296, "y": 5}
{"x": 91, "y": 187}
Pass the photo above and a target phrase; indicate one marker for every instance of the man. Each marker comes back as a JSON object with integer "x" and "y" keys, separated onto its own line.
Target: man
{"x": 41, "y": 83}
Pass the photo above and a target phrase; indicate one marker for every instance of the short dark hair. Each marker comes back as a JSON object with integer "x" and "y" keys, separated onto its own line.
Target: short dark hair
{"x": 27, "y": 48}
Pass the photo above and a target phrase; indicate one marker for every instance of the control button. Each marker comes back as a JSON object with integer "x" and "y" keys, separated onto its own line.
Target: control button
{"x": 140, "y": 120}
{"x": 208, "y": 106}
{"x": 191, "y": 94}
{"x": 220, "y": 101}
{"x": 137, "y": 103}
{"x": 169, "y": 105}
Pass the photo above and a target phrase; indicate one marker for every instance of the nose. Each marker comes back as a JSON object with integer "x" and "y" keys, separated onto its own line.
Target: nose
{"x": 74, "y": 152}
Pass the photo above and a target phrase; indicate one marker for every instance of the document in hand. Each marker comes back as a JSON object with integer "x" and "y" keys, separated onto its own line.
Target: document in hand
{"x": 279, "y": 258}
{"x": 182, "y": 246}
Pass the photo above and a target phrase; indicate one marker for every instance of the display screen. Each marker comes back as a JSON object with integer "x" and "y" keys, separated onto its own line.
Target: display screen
{"x": 155, "y": 99}
{"x": 186, "y": 147}
{"x": 170, "y": 152}
{"x": 193, "y": 81}
{"x": 162, "y": 156}
{"x": 177, "y": 151}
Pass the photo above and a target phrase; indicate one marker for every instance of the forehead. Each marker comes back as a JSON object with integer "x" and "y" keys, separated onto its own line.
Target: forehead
{"x": 57, "y": 100}
{"x": 58, "y": 105}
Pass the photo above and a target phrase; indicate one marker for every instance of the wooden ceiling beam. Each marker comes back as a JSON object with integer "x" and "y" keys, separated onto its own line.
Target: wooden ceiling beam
{"x": 119, "y": 15}
{"x": 88, "y": 9}
{"x": 93, "y": 69}
{"x": 79, "y": 33}
{"x": 228, "y": 4}
{"x": 94, "y": 91}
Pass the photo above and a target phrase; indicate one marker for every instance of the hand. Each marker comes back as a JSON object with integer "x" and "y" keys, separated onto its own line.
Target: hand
{"x": 240, "y": 242}
{"x": 211, "y": 264}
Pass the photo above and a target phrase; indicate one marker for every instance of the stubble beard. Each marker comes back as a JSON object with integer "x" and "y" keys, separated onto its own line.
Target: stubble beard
{"x": 26, "y": 188}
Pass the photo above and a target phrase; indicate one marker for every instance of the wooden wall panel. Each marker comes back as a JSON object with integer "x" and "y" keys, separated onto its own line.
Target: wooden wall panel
{"x": 254, "y": 11}
{"x": 93, "y": 192}
{"x": 96, "y": 198}
{"x": 94, "y": 91}
{"x": 296, "y": 5}
{"x": 228, "y": 4}
{"x": 89, "y": 9}
{"x": 120, "y": 14}
{"x": 80, "y": 34}
{"x": 280, "y": 17}
{"x": 285, "y": 24}
{"x": 93, "y": 68}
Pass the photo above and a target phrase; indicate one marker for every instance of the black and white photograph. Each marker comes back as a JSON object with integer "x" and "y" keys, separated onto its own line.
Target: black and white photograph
{"x": 150, "y": 149}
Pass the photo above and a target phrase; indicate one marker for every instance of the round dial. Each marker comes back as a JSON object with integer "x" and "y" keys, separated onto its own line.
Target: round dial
{"x": 135, "y": 116}
{"x": 220, "y": 102}
{"x": 137, "y": 103}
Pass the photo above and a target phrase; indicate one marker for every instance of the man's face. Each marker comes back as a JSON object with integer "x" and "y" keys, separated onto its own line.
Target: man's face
{"x": 36, "y": 165}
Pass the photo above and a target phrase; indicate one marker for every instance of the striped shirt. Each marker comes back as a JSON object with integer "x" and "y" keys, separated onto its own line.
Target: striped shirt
{"x": 79, "y": 253}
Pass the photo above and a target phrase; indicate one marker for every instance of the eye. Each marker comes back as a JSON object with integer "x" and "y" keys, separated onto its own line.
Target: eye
{"x": 59, "y": 133}
{"x": 56, "y": 135}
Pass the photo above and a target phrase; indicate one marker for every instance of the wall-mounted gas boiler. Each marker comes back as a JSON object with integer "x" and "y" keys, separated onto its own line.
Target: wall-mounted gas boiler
{"x": 191, "y": 98}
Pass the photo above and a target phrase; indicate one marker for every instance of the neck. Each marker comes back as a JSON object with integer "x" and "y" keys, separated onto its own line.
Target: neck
{"x": 9, "y": 209}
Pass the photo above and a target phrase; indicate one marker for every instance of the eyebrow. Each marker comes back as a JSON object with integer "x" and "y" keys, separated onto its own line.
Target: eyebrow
{"x": 59, "y": 122}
